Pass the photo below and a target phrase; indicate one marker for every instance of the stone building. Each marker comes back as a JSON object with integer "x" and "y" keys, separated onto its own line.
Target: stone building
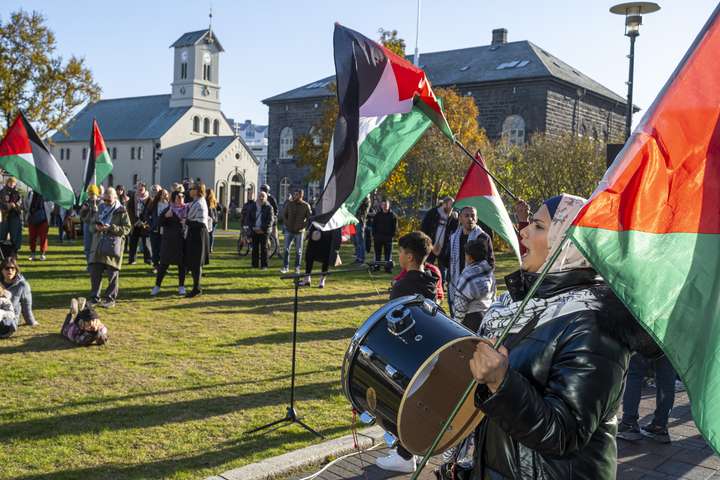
{"x": 256, "y": 138}
{"x": 165, "y": 138}
{"x": 519, "y": 89}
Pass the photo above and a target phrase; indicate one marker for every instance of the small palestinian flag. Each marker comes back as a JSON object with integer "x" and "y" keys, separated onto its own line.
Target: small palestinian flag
{"x": 25, "y": 156}
{"x": 479, "y": 191}
{"x": 652, "y": 228}
{"x": 386, "y": 104}
{"x": 98, "y": 164}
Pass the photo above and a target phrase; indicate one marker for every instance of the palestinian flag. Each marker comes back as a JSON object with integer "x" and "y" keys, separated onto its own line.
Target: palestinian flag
{"x": 25, "y": 156}
{"x": 479, "y": 191}
{"x": 652, "y": 228}
{"x": 98, "y": 164}
{"x": 386, "y": 104}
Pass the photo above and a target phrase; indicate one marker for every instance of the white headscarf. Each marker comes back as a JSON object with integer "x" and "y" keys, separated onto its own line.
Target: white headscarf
{"x": 567, "y": 209}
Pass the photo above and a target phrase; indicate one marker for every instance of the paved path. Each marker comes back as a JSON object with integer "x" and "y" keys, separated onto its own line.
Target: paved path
{"x": 687, "y": 457}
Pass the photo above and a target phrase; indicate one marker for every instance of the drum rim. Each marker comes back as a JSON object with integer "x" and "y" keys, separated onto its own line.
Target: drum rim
{"x": 362, "y": 332}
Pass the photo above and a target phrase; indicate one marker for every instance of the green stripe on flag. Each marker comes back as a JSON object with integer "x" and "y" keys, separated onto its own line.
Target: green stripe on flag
{"x": 103, "y": 167}
{"x": 38, "y": 180}
{"x": 670, "y": 282}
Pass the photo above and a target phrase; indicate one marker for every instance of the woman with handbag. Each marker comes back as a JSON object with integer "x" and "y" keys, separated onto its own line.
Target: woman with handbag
{"x": 197, "y": 242}
{"x": 111, "y": 224}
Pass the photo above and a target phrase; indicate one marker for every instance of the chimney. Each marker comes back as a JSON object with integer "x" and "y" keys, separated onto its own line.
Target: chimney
{"x": 499, "y": 36}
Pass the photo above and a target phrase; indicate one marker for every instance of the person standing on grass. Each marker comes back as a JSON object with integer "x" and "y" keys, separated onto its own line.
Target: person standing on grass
{"x": 38, "y": 220}
{"x": 11, "y": 206}
{"x": 172, "y": 248}
{"x": 87, "y": 209}
{"x": 296, "y": 215}
{"x": 160, "y": 202}
{"x": 259, "y": 219}
{"x": 359, "y": 237}
{"x": 384, "y": 230}
{"x": 137, "y": 208}
{"x": 475, "y": 289}
{"x": 213, "y": 214}
{"x": 13, "y": 281}
{"x": 322, "y": 247}
{"x": 112, "y": 225}
{"x": 197, "y": 241}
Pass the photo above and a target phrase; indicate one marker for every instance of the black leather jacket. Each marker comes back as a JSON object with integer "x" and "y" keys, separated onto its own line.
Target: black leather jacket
{"x": 553, "y": 416}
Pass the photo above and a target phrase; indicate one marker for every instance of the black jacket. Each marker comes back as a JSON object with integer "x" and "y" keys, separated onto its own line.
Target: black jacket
{"x": 384, "y": 225}
{"x": 362, "y": 210}
{"x": 553, "y": 416}
{"x": 429, "y": 226}
{"x": 416, "y": 282}
{"x": 267, "y": 217}
{"x": 172, "y": 245}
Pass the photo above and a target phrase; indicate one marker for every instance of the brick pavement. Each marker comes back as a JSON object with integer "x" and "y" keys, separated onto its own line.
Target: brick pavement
{"x": 687, "y": 457}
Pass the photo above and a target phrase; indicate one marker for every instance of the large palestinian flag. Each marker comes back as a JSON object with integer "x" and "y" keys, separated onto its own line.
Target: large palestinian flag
{"x": 98, "y": 164}
{"x": 652, "y": 229}
{"x": 385, "y": 105}
{"x": 25, "y": 156}
{"x": 479, "y": 191}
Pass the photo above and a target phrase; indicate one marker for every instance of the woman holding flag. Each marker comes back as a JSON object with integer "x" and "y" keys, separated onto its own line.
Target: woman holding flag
{"x": 551, "y": 396}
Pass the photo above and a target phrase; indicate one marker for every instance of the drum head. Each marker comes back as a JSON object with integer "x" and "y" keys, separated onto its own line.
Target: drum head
{"x": 431, "y": 396}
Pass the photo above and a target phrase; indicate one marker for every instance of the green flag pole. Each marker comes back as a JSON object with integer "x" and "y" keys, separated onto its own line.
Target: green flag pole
{"x": 501, "y": 339}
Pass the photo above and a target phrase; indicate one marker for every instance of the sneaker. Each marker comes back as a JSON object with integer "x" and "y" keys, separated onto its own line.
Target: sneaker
{"x": 193, "y": 293}
{"x": 629, "y": 432}
{"x": 43, "y": 257}
{"x": 181, "y": 291}
{"x": 132, "y": 262}
{"x": 395, "y": 463}
{"x": 322, "y": 283}
{"x": 31, "y": 258}
{"x": 656, "y": 433}
{"x": 107, "y": 304}
{"x": 297, "y": 270}
{"x": 305, "y": 282}
{"x": 284, "y": 270}
{"x": 34, "y": 323}
{"x": 155, "y": 290}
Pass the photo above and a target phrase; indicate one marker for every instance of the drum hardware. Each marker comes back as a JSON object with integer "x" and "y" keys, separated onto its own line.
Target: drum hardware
{"x": 399, "y": 321}
{"x": 367, "y": 418}
{"x": 392, "y": 371}
{"x": 366, "y": 352}
{"x": 390, "y": 439}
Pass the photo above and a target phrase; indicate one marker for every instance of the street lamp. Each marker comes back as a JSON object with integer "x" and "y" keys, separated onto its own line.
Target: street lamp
{"x": 633, "y": 12}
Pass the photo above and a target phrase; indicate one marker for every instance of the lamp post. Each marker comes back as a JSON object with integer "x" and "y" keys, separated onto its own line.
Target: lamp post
{"x": 633, "y": 12}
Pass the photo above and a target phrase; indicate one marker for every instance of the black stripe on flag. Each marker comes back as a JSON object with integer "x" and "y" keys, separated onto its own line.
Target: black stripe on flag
{"x": 89, "y": 174}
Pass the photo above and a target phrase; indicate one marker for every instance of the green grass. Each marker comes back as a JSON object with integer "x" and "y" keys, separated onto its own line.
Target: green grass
{"x": 180, "y": 381}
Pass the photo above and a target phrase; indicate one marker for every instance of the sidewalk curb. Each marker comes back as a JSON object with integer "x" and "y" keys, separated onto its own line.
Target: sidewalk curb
{"x": 292, "y": 461}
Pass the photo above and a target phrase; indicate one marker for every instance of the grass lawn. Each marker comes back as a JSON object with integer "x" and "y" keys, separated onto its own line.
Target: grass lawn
{"x": 180, "y": 381}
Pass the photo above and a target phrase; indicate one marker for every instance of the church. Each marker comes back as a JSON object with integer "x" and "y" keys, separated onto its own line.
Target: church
{"x": 165, "y": 138}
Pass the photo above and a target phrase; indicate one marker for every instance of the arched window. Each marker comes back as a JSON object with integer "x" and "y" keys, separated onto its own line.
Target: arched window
{"x": 315, "y": 135}
{"x": 284, "y": 189}
{"x": 196, "y": 124}
{"x": 313, "y": 191}
{"x": 286, "y": 142}
{"x": 513, "y": 130}
{"x": 206, "y": 125}
{"x": 216, "y": 127}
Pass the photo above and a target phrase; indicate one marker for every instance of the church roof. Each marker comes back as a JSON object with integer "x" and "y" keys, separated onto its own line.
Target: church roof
{"x": 210, "y": 147}
{"x": 132, "y": 118}
{"x": 469, "y": 66}
{"x": 190, "y": 39}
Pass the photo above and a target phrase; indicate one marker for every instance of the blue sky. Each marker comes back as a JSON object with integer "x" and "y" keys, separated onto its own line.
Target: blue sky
{"x": 272, "y": 46}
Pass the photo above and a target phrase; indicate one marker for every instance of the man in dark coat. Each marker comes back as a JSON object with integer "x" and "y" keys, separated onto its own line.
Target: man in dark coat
{"x": 260, "y": 220}
{"x": 11, "y": 205}
{"x": 384, "y": 230}
{"x": 137, "y": 209}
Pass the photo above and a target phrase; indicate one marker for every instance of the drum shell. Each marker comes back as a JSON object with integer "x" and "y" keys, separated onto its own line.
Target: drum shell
{"x": 367, "y": 381}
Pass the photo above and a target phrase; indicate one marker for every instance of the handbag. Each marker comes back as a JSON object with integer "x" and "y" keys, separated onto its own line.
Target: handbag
{"x": 110, "y": 245}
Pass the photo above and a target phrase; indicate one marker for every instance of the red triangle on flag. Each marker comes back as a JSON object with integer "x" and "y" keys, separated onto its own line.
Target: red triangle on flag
{"x": 98, "y": 140}
{"x": 477, "y": 181}
{"x": 16, "y": 141}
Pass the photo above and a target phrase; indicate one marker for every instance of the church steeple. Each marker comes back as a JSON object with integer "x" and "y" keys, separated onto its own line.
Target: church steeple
{"x": 196, "y": 70}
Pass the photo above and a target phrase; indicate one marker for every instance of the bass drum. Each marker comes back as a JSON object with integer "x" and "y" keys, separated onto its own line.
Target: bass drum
{"x": 407, "y": 366}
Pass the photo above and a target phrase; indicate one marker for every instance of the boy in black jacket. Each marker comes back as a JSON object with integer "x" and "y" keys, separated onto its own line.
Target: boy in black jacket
{"x": 414, "y": 250}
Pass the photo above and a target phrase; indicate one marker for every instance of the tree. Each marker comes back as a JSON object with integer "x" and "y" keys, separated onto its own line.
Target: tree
{"x": 34, "y": 80}
{"x": 390, "y": 40}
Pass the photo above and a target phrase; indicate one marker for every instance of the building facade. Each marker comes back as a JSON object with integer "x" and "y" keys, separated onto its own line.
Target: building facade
{"x": 165, "y": 138}
{"x": 256, "y": 138}
{"x": 519, "y": 88}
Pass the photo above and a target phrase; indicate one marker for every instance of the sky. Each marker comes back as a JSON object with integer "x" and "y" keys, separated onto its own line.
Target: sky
{"x": 272, "y": 46}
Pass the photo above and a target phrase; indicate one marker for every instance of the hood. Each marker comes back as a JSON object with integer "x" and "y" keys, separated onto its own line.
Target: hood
{"x": 15, "y": 281}
{"x": 426, "y": 282}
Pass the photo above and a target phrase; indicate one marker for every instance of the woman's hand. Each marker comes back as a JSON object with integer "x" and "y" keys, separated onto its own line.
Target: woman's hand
{"x": 489, "y": 366}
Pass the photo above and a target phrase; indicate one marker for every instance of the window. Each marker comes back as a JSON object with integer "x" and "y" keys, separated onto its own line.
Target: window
{"x": 313, "y": 191}
{"x": 206, "y": 125}
{"x": 284, "y": 189}
{"x": 315, "y": 135}
{"x": 196, "y": 124}
{"x": 216, "y": 127}
{"x": 84, "y": 155}
{"x": 132, "y": 154}
{"x": 286, "y": 142}
{"x": 136, "y": 179}
{"x": 67, "y": 154}
{"x": 206, "y": 72}
{"x": 140, "y": 153}
{"x": 513, "y": 130}
{"x": 183, "y": 70}
{"x": 114, "y": 154}
{"x": 249, "y": 132}
{"x": 62, "y": 154}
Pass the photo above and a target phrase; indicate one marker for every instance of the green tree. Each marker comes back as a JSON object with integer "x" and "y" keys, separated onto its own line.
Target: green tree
{"x": 34, "y": 80}
{"x": 390, "y": 40}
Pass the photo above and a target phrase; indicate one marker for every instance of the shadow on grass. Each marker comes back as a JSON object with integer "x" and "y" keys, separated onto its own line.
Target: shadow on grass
{"x": 286, "y": 337}
{"x": 152, "y": 415}
{"x": 254, "y": 305}
{"x": 43, "y": 342}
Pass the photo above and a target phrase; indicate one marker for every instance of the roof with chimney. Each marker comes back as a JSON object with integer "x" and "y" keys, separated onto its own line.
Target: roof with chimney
{"x": 500, "y": 61}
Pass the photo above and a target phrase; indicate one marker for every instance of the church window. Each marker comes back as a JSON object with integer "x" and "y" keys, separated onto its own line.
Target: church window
{"x": 196, "y": 124}
{"x": 216, "y": 127}
{"x": 84, "y": 153}
{"x": 183, "y": 70}
{"x": 114, "y": 153}
{"x": 206, "y": 72}
{"x": 62, "y": 154}
{"x": 132, "y": 154}
{"x": 206, "y": 125}
{"x": 136, "y": 179}
{"x": 513, "y": 130}
{"x": 286, "y": 142}
{"x": 67, "y": 154}
{"x": 284, "y": 189}
{"x": 140, "y": 153}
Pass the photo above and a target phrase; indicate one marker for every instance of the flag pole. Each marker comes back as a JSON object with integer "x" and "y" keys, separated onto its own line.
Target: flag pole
{"x": 498, "y": 342}
{"x": 479, "y": 164}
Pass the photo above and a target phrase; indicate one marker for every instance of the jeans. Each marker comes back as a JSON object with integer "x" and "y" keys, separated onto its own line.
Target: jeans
{"x": 359, "y": 242}
{"x": 289, "y": 239}
{"x": 155, "y": 242}
{"x": 87, "y": 240}
{"x": 12, "y": 226}
{"x": 96, "y": 274}
{"x": 665, "y": 389}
